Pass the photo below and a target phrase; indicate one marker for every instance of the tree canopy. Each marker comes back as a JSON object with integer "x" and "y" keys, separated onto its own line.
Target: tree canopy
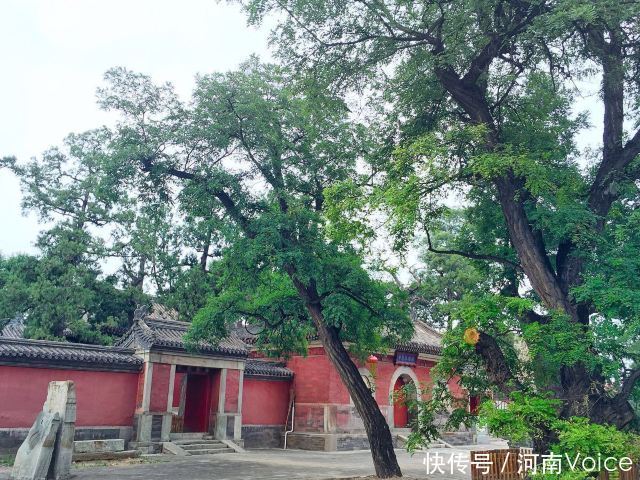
{"x": 244, "y": 167}
{"x": 254, "y": 203}
{"x": 479, "y": 102}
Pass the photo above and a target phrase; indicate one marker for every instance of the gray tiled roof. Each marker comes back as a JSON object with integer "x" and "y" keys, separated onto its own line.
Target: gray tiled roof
{"x": 264, "y": 368}
{"x": 424, "y": 340}
{"x": 52, "y": 354}
{"x": 14, "y": 329}
{"x": 153, "y": 331}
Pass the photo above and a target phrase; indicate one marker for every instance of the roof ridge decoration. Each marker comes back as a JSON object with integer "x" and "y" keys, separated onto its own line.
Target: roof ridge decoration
{"x": 14, "y": 328}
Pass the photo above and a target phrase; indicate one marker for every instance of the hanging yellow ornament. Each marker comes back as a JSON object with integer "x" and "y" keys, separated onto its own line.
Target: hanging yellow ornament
{"x": 471, "y": 336}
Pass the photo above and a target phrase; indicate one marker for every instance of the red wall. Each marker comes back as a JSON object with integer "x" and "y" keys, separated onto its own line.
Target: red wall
{"x": 232, "y": 391}
{"x": 317, "y": 381}
{"x": 177, "y": 384}
{"x": 384, "y": 373}
{"x": 104, "y": 398}
{"x": 314, "y": 377}
{"x": 159, "y": 387}
{"x": 264, "y": 402}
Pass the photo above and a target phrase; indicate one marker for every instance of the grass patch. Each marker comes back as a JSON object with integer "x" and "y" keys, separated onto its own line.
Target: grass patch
{"x": 118, "y": 463}
{"x": 7, "y": 460}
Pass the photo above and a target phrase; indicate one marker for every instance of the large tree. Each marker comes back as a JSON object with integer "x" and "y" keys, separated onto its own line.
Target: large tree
{"x": 83, "y": 194}
{"x": 249, "y": 158}
{"x": 62, "y": 293}
{"x": 481, "y": 97}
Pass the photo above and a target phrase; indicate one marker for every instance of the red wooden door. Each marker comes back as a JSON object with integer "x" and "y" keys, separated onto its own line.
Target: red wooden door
{"x": 197, "y": 403}
{"x": 400, "y": 409}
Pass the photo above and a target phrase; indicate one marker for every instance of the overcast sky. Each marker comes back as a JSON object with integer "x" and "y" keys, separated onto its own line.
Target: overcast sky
{"x": 54, "y": 53}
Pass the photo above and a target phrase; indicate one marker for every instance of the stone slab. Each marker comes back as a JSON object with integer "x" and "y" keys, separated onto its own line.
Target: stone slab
{"x": 34, "y": 456}
{"x": 61, "y": 399}
{"x": 99, "y": 446}
{"x": 48, "y": 449}
{"x": 173, "y": 449}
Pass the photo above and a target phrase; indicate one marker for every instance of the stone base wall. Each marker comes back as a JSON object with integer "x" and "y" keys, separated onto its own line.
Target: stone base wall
{"x": 262, "y": 436}
{"x": 12, "y": 438}
{"x": 330, "y": 442}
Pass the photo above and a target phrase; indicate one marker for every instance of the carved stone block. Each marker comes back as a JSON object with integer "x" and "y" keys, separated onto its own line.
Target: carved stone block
{"x": 34, "y": 455}
{"x": 47, "y": 451}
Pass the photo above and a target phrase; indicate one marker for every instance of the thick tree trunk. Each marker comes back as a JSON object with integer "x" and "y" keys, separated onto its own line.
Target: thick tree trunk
{"x": 615, "y": 411}
{"x": 137, "y": 281}
{"x": 498, "y": 370}
{"x": 583, "y": 392}
{"x": 378, "y": 432}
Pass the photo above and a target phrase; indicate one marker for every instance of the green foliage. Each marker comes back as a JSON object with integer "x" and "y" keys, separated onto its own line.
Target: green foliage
{"x": 526, "y": 417}
{"x": 61, "y": 293}
{"x": 531, "y": 417}
{"x": 558, "y": 342}
{"x": 613, "y": 285}
{"x": 442, "y": 280}
{"x": 247, "y": 164}
{"x": 579, "y": 436}
{"x": 476, "y": 102}
{"x": 189, "y": 292}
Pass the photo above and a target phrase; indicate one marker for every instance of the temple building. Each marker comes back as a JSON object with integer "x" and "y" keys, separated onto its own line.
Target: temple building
{"x": 149, "y": 388}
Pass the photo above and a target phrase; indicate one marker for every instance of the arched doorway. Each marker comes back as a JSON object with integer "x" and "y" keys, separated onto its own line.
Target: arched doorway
{"x": 403, "y": 410}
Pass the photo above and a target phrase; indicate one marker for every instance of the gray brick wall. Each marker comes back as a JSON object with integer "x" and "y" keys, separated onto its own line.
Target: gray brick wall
{"x": 262, "y": 436}
{"x": 12, "y": 438}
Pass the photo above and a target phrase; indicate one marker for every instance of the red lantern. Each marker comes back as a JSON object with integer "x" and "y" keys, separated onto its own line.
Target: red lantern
{"x": 372, "y": 363}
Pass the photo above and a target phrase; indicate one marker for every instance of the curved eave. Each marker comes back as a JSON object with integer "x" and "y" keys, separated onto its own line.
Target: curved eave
{"x": 208, "y": 352}
{"x": 415, "y": 347}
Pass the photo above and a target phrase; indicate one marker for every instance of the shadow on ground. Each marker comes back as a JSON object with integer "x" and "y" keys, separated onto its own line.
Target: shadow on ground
{"x": 263, "y": 465}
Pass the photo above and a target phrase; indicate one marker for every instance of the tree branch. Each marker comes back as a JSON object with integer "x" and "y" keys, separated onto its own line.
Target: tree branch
{"x": 225, "y": 199}
{"x": 474, "y": 256}
{"x": 630, "y": 383}
{"x": 498, "y": 370}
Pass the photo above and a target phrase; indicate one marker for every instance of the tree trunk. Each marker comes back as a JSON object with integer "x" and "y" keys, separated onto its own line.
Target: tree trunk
{"x": 205, "y": 252}
{"x": 615, "y": 411}
{"x": 378, "y": 432}
{"x": 583, "y": 392}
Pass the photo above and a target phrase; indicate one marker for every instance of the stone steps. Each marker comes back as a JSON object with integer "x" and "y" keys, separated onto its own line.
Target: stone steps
{"x": 210, "y": 451}
{"x": 197, "y": 442}
{"x": 200, "y": 446}
{"x": 197, "y": 447}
